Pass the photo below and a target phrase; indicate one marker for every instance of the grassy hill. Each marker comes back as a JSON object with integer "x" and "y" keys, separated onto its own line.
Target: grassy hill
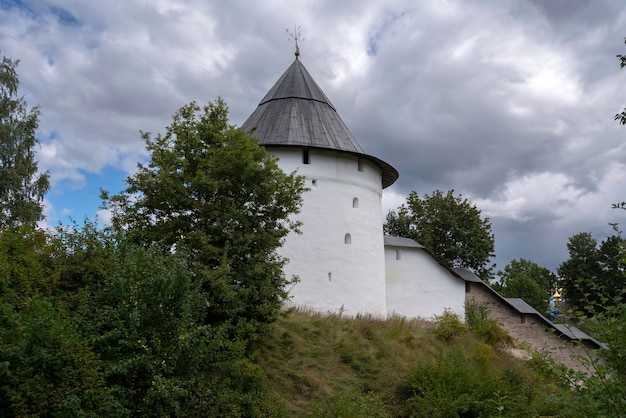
{"x": 366, "y": 367}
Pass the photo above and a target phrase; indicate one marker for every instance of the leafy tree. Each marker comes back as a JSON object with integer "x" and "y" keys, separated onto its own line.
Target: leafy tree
{"x": 398, "y": 224}
{"x": 46, "y": 365}
{"x": 581, "y": 269}
{"x": 449, "y": 226}
{"x": 22, "y": 188}
{"x": 146, "y": 324}
{"x": 613, "y": 265}
{"x": 593, "y": 276}
{"x": 91, "y": 325}
{"x": 527, "y": 280}
{"x": 211, "y": 191}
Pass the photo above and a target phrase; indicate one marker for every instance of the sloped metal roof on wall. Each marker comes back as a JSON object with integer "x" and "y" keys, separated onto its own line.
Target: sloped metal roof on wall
{"x": 296, "y": 112}
{"x": 521, "y": 306}
{"x": 392, "y": 241}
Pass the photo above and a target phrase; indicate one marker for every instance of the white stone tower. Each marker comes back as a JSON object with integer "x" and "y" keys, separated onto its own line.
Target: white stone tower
{"x": 339, "y": 257}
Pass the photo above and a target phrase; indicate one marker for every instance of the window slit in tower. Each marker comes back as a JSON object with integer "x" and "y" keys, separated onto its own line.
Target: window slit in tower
{"x": 360, "y": 166}
{"x": 305, "y": 157}
{"x": 347, "y": 239}
{"x": 355, "y": 202}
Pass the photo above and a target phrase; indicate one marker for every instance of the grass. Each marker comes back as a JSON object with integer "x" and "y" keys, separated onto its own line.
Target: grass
{"x": 313, "y": 360}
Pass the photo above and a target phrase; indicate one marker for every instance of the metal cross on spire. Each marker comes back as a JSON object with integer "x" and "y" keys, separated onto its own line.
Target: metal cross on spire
{"x": 296, "y": 36}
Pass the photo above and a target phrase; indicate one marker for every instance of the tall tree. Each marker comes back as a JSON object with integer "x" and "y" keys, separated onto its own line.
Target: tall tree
{"x": 22, "y": 187}
{"x": 210, "y": 190}
{"x": 581, "y": 269}
{"x": 594, "y": 275}
{"x": 527, "y": 280}
{"x": 449, "y": 226}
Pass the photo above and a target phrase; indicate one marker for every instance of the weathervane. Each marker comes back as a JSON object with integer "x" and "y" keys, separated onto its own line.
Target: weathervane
{"x": 296, "y": 36}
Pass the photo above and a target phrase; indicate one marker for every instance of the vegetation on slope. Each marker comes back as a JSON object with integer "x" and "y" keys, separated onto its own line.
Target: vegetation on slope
{"x": 338, "y": 367}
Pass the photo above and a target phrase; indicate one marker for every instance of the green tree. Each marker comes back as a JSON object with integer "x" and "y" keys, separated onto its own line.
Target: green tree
{"x": 211, "y": 191}
{"x": 613, "y": 265}
{"x": 398, "y": 224}
{"x": 527, "y": 280}
{"x": 146, "y": 324}
{"x": 450, "y": 227}
{"x": 22, "y": 187}
{"x": 581, "y": 269}
{"x": 594, "y": 275}
{"x": 46, "y": 365}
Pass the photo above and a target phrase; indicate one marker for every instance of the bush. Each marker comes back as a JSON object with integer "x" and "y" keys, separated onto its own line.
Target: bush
{"x": 449, "y": 325}
{"x": 351, "y": 405}
{"x": 450, "y": 386}
{"x": 485, "y": 328}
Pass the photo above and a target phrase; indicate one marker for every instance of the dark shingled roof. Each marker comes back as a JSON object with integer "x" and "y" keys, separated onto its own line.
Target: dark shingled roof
{"x": 401, "y": 242}
{"x": 296, "y": 112}
{"x": 520, "y": 305}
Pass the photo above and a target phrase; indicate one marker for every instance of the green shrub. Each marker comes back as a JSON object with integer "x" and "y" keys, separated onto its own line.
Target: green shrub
{"x": 456, "y": 384}
{"x": 486, "y": 329}
{"x": 450, "y": 386}
{"x": 476, "y": 315}
{"x": 449, "y": 325}
{"x": 351, "y": 405}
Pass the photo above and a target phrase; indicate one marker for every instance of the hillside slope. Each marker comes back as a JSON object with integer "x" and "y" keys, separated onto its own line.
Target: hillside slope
{"x": 333, "y": 366}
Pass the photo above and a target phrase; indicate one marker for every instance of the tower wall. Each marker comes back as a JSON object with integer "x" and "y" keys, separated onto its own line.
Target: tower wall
{"x": 337, "y": 271}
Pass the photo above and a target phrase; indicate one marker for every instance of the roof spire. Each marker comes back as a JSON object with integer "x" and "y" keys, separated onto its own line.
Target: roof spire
{"x": 296, "y": 36}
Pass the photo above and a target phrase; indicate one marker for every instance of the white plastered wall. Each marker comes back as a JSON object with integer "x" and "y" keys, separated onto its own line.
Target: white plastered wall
{"x": 419, "y": 287}
{"x": 336, "y": 276}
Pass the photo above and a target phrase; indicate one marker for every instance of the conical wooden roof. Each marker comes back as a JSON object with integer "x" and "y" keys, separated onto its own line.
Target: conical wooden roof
{"x": 296, "y": 112}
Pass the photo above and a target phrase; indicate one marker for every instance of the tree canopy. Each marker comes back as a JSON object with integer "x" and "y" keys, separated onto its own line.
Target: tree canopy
{"x": 22, "y": 187}
{"x": 449, "y": 226}
{"x": 211, "y": 191}
{"x": 594, "y": 275}
{"x": 527, "y": 280}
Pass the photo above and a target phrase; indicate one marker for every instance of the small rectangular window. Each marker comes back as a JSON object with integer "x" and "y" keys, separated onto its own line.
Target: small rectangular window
{"x": 398, "y": 254}
{"x": 305, "y": 157}
{"x": 360, "y": 165}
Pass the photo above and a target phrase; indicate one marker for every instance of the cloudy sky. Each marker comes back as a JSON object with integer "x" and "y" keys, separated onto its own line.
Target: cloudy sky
{"x": 509, "y": 102}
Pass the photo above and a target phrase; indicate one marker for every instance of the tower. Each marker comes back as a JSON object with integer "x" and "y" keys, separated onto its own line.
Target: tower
{"x": 339, "y": 256}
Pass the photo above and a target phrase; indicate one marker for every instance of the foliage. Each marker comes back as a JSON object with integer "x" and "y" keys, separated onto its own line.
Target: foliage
{"x": 450, "y": 227}
{"x": 455, "y": 384}
{"x": 157, "y": 354}
{"x": 46, "y": 365}
{"x": 352, "y": 405}
{"x": 608, "y": 385}
{"x": 593, "y": 276}
{"x": 448, "y": 325}
{"x": 211, "y": 191}
{"x": 94, "y": 326}
{"x": 486, "y": 329}
{"x": 527, "y": 280}
{"x": 602, "y": 391}
{"x": 22, "y": 188}
{"x": 328, "y": 364}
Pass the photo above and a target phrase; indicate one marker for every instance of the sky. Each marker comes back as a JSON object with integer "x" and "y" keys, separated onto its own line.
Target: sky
{"x": 510, "y": 103}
